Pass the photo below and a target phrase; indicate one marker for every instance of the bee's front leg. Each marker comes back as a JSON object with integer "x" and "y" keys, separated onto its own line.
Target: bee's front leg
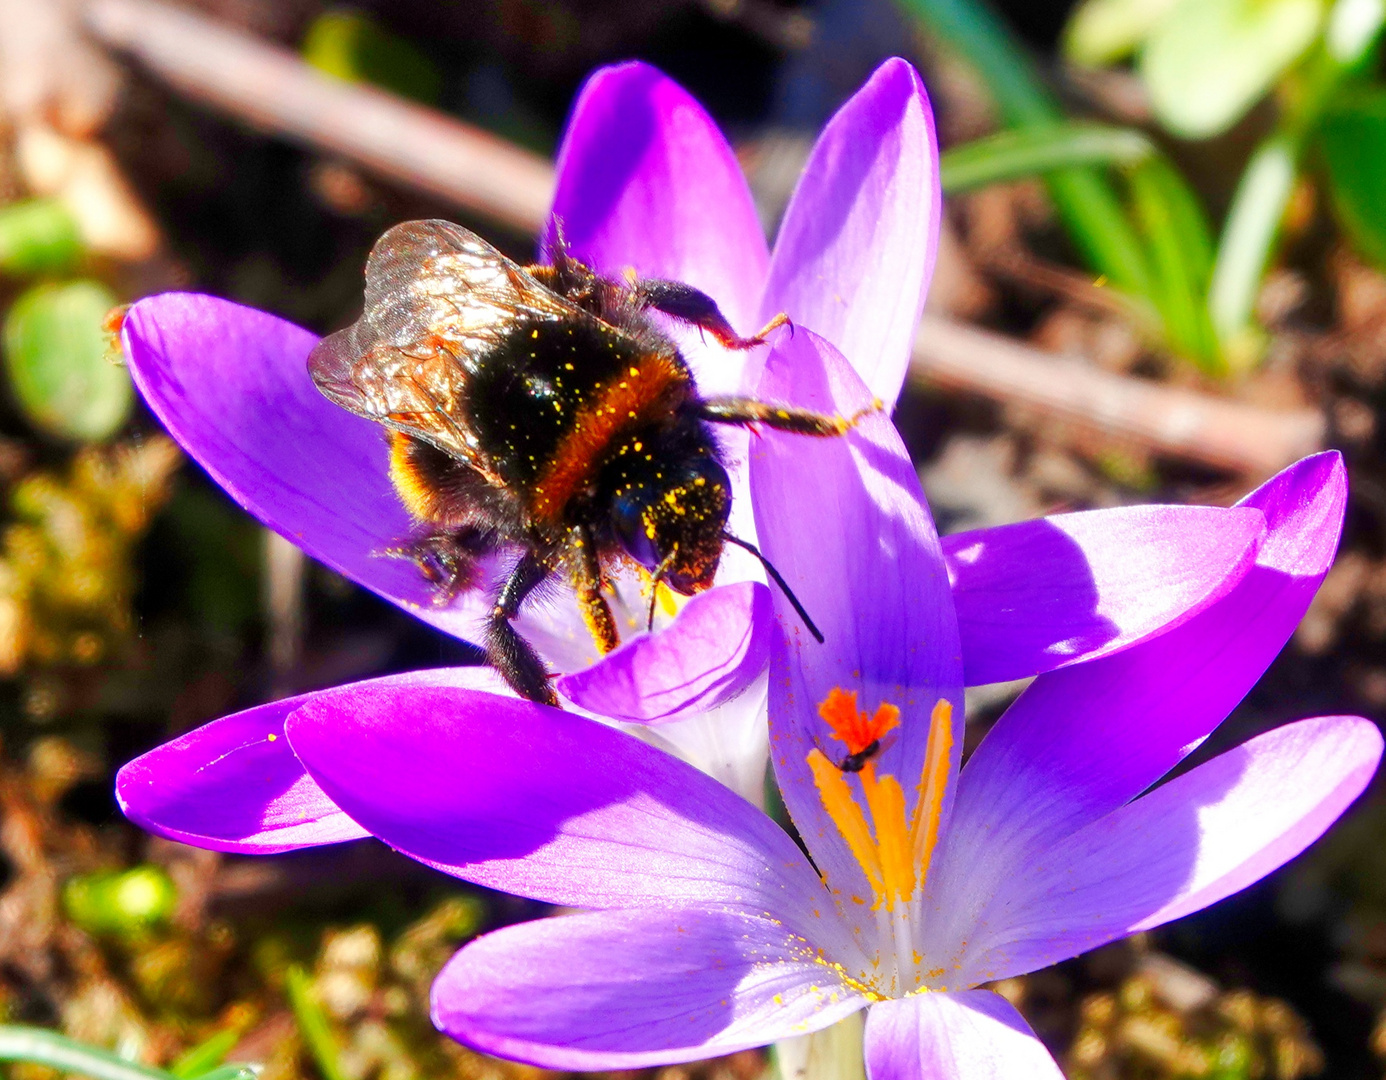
{"x": 746, "y": 412}
{"x": 587, "y": 578}
{"x": 506, "y": 650}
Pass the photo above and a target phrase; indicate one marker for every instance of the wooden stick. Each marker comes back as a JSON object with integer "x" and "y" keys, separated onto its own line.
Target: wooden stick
{"x": 1180, "y": 423}
{"x": 274, "y": 90}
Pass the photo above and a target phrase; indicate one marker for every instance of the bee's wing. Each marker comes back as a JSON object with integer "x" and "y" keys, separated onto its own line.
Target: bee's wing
{"x": 438, "y": 298}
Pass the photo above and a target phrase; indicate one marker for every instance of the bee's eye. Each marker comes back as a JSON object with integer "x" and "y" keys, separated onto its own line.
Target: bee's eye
{"x": 629, "y": 518}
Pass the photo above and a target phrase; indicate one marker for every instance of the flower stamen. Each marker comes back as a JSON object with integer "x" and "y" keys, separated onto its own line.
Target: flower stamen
{"x": 895, "y": 848}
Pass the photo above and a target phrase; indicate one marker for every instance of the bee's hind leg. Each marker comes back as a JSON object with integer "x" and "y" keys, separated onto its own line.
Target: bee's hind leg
{"x": 508, "y": 652}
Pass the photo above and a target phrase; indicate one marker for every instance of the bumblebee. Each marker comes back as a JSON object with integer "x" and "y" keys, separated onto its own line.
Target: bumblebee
{"x": 540, "y": 408}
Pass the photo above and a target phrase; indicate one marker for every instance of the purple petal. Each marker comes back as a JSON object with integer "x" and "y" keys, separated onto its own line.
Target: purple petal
{"x": 544, "y": 803}
{"x": 855, "y": 252}
{"x": 231, "y": 385}
{"x": 1186, "y": 845}
{"x": 713, "y": 651}
{"x": 844, "y": 521}
{"x": 1044, "y": 594}
{"x": 628, "y": 989}
{"x": 974, "y": 1035}
{"x": 646, "y": 180}
{"x": 235, "y": 785}
{"x": 1082, "y": 741}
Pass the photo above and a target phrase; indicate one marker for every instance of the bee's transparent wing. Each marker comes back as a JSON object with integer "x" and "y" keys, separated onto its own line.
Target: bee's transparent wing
{"x": 438, "y": 298}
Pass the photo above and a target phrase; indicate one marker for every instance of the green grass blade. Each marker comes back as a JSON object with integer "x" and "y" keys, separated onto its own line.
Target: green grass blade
{"x": 313, "y": 1024}
{"x": 206, "y": 1055}
{"x": 1087, "y": 203}
{"x": 1022, "y": 152}
{"x": 43, "y": 1047}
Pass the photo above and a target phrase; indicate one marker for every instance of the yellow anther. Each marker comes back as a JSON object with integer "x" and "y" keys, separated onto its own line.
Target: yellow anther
{"x": 895, "y": 849}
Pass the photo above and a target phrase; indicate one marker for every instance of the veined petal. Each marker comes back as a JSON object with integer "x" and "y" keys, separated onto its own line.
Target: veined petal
{"x": 1060, "y": 590}
{"x": 1184, "y": 846}
{"x": 856, "y": 249}
{"x": 974, "y": 1035}
{"x": 844, "y": 521}
{"x": 231, "y": 385}
{"x": 545, "y": 803}
{"x": 1083, "y": 740}
{"x": 235, "y": 784}
{"x": 647, "y": 181}
{"x": 627, "y": 989}
{"x": 714, "y": 650}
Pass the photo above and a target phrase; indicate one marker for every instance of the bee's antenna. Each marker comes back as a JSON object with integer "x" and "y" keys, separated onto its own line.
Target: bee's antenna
{"x": 784, "y": 588}
{"x": 655, "y": 579}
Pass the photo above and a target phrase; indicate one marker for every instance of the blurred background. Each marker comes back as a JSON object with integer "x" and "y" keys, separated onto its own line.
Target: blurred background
{"x": 1176, "y": 208}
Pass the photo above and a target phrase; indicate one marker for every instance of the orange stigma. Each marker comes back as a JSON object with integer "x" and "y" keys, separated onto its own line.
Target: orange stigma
{"x": 852, "y": 726}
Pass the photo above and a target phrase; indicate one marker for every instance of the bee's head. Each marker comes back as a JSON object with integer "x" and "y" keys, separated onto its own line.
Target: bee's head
{"x": 671, "y": 521}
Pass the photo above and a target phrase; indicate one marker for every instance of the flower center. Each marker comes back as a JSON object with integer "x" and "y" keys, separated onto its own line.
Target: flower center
{"x": 895, "y": 847}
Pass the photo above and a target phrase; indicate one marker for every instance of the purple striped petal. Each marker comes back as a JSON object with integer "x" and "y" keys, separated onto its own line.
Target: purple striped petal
{"x": 714, "y": 650}
{"x": 974, "y": 1035}
{"x": 235, "y": 784}
{"x": 628, "y": 989}
{"x": 1186, "y": 845}
{"x": 1082, "y": 741}
{"x": 1044, "y": 594}
{"x": 231, "y": 386}
{"x": 647, "y": 181}
{"x": 845, "y": 522}
{"x": 855, "y": 252}
{"x": 544, "y": 803}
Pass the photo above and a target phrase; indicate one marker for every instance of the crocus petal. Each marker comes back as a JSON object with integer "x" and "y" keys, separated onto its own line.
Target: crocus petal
{"x": 235, "y": 784}
{"x": 844, "y": 521}
{"x": 231, "y": 385}
{"x": 1044, "y": 594}
{"x": 714, "y": 650}
{"x": 855, "y": 252}
{"x": 544, "y": 803}
{"x": 627, "y": 989}
{"x": 647, "y": 181}
{"x": 1186, "y": 845}
{"x": 1082, "y": 741}
{"x": 974, "y": 1035}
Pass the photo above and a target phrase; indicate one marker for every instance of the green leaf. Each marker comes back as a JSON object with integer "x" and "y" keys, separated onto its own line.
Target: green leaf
{"x": 1209, "y": 61}
{"x": 56, "y": 354}
{"x": 38, "y": 236}
{"x": 1104, "y": 31}
{"x": 355, "y": 48}
{"x": 1022, "y": 152}
{"x": 1353, "y": 137}
{"x": 121, "y": 902}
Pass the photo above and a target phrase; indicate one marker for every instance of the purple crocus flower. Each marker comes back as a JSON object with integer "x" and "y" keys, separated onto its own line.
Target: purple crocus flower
{"x": 646, "y": 180}
{"x": 710, "y": 930}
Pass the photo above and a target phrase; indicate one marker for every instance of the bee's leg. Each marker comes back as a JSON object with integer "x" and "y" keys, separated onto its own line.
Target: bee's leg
{"x": 447, "y": 558}
{"x": 506, "y": 650}
{"x": 587, "y": 577}
{"x": 748, "y": 411}
{"x": 690, "y": 305}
